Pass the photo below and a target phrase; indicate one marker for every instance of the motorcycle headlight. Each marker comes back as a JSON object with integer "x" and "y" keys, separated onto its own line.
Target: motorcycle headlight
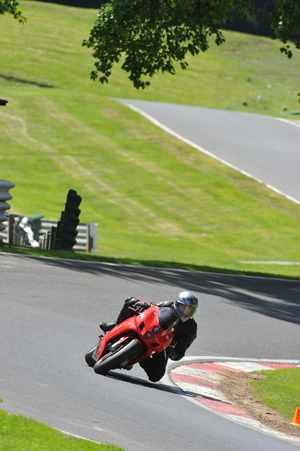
{"x": 156, "y": 330}
{"x": 148, "y": 335}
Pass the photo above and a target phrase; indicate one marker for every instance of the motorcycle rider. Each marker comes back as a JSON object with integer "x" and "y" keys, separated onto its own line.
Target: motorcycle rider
{"x": 185, "y": 306}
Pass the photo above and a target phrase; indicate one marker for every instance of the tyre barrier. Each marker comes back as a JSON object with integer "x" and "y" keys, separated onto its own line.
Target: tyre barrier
{"x": 5, "y": 186}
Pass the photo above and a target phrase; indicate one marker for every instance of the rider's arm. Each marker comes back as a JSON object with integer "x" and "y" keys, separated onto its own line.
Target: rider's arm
{"x": 184, "y": 336}
{"x": 132, "y": 306}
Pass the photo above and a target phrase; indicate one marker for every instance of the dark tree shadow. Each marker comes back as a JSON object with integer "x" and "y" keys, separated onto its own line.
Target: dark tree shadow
{"x": 26, "y": 82}
{"x": 276, "y": 298}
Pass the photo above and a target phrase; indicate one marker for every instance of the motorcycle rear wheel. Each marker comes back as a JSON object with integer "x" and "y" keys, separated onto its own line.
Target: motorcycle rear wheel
{"x": 113, "y": 360}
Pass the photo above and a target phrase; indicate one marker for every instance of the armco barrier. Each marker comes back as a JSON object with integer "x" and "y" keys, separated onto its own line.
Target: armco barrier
{"x": 15, "y": 235}
{"x": 86, "y": 238}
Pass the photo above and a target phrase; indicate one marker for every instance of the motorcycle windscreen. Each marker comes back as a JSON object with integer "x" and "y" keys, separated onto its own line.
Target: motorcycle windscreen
{"x": 167, "y": 318}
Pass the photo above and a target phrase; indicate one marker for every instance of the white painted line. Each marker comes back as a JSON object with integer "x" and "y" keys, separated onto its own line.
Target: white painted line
{"x": 271, "y": 263}
{"x": 77, "y": 436}
{"x": 207, "y": 152}
{"x": 257, "y": 425}
{"x": 246, "y": 421}
{"x": 289, "y": 121}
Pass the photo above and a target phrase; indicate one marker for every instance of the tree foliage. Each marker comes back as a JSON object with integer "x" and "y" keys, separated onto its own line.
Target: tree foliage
{"x": 152, "y": 35}
{"x": 12, "y": 7}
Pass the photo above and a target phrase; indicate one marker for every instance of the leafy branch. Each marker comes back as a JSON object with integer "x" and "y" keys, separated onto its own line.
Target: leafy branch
{"x": 152, "y": 35}
{"x": 12, "y": 7}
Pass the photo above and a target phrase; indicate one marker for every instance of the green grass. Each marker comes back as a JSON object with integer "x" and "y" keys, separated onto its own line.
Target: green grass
{"x": 154, "y": 198}
{"x": 79, "y": 256}
{"x": 18, "y": 433}
{"x": 280, "y": 390}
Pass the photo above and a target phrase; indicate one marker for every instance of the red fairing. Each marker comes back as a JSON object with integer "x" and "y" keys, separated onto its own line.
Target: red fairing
{"x": 153, "y": 329}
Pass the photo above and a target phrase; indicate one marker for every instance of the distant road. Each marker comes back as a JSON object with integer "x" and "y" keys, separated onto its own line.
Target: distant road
{"x": 266, "y": 148}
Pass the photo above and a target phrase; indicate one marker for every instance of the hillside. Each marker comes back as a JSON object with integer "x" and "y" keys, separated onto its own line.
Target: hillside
{"x": 153, "y": 197}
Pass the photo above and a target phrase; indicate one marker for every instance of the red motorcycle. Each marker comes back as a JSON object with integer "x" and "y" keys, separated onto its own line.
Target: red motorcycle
{"x": 133, "y": 340}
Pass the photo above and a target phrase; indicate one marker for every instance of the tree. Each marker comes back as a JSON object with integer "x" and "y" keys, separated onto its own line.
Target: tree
{"x": 154, "y": 34}
{"x": 12, "y": 7}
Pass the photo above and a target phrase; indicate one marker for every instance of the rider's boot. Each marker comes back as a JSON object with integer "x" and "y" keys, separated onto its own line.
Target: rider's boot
{"x": 106, "y": 327}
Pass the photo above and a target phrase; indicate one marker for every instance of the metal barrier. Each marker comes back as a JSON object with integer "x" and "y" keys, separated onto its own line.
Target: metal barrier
{"x": 47, "y": 235}
{"x": 86, "y": 238}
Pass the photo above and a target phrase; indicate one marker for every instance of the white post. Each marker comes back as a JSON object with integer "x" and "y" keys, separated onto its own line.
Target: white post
{"x": 5, "y": 186}
{"x": 92, "y": 237}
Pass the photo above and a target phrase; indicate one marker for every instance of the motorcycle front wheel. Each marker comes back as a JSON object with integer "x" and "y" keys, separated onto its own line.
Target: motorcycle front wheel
{"x": 90, "y": 356}
{"x": 114, "y": 359}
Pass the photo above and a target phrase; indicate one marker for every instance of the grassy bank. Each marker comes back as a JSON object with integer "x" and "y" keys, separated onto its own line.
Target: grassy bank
{"x": 47, "y": 52}
{"x": 280, "y": 390}
{"x": 153, "y": 197}
{"x": 19, "y": 433}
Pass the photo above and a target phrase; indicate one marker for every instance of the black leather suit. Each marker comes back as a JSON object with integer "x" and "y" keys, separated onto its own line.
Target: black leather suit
{"x": 185, "y": 334}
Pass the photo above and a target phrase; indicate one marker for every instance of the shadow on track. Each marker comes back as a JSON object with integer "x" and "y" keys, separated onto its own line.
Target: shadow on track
{"x": 276, "y": 298}
{"x": 115, "y": 374}
{"x": 158, "y": 386}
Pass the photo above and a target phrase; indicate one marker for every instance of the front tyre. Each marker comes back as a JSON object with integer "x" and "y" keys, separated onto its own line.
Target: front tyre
{"x": 114, "y": 359}
{"x": 90, "y": 356}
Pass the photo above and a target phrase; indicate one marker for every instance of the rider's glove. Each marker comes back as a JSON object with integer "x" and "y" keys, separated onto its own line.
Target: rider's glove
{"x": 138, "y": 306}
{"x": 141, "y": 306}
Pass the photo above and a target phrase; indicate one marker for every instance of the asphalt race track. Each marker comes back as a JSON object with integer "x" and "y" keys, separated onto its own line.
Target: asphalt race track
{"x": 267, "y": 148}
{"x": 50, "y": 310}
